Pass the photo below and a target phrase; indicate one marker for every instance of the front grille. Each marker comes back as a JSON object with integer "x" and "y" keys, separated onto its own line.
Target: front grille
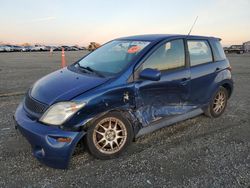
{"x": 33, "y": 106}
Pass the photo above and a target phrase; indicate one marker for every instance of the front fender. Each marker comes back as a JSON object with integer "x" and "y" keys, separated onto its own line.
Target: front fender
{"x": 100, "y": 102}
{"x": 129, "y": 114}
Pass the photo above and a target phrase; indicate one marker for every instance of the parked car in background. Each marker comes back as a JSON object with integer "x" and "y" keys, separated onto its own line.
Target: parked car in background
{"x": 246, "y": 46}
{"x": 75, "y": 48}
{"x": 58, "y": 48}
{"x": 82, "y": 48}
{"x": 66, "y": 48}
{"x": 36, "y": 48}
{"x": 5, "y": 48}
{"x": 2, "y": 49}
{"x": 53, "y": 48}
{"x": 24, "y": 49}
{"x": 70, "y": 48}
{"x": 126, "y": 88}
{"x": 39, "y": 48}
{"x": 239, "y": 49}
{"x": 10, "y": 47}
{"x": 28, "y": 48}
{"x": 18, "y": 48}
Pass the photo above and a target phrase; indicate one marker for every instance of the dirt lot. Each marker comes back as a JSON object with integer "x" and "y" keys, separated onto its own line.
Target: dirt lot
{"x": 199, "y": 152}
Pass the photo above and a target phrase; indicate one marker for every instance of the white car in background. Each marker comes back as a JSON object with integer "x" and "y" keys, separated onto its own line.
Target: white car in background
{"x": 5, "y": 48}
{"x": 2, "y": 49}
{"x": 18, "y": 48}
{"x": 39, "y": 48}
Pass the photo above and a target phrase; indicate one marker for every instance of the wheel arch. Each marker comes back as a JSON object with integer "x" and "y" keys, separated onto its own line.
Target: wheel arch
{"x": 126, "y": 113}
{"x": 227, "y": 84}
{"x": 229, "y": 88}
{"x": 223, "y": 79}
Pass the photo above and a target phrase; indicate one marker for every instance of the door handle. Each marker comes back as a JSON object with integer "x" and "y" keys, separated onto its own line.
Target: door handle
{"x": 184, "y": 81}
{"x": 217, "y": 69}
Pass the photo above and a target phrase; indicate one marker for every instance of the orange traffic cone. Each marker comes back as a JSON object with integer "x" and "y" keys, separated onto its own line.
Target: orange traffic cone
{"x": 63, "y": 59}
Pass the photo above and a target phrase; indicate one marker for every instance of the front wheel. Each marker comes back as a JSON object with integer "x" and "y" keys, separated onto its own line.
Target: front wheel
{"x": 109, "y": 136}
{"x": 218, "y": 104}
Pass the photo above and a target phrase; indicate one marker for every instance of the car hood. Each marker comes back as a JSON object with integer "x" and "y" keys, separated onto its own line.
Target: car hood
{"x": 63, "y": 85}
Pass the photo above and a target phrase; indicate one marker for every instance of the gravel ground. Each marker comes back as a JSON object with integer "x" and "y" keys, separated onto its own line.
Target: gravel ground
{"x": 199, "y": 152}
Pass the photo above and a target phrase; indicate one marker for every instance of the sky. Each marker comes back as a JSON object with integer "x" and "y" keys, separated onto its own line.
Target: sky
{"x": 79, "y": 22}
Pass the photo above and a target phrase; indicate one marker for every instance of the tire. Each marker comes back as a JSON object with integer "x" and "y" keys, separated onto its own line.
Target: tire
{"x": 218, "y": 104}
{"x": 107, "y": 141}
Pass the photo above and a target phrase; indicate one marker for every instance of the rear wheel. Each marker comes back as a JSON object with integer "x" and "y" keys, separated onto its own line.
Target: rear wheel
{"x": 218, "y": 105}
{"x": 109, "y": 136}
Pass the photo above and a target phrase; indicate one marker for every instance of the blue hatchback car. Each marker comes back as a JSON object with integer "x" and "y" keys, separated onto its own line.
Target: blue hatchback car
{"x": 126, "y": 88}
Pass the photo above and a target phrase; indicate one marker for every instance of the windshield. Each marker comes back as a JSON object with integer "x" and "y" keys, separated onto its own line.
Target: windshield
{"x": 113, "y": 57}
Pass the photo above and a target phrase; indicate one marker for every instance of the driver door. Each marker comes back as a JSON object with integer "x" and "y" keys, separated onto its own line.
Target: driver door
{"x": 168, "y": 96}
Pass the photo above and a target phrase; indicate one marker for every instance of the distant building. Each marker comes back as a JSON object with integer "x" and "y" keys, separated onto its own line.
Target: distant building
{"x": 247, "y": 46}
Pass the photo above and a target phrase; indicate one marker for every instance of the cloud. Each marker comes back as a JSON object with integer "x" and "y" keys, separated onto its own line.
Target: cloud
{"x": 44, "y": 19}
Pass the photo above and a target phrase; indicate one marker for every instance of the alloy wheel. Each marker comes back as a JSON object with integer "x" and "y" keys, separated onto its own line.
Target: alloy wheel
{"x": 110, "y": 135}
{"x": 219, "y": 102}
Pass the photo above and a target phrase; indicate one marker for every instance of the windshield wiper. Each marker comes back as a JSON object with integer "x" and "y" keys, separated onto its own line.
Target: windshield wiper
{"x": 89, "y": 69}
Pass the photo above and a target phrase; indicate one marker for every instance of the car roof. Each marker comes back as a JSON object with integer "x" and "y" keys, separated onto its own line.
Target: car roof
{"x": 159, "y": 37}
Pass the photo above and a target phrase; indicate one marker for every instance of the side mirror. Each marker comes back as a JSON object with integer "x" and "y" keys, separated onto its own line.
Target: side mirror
{"x": 150, "y": 74}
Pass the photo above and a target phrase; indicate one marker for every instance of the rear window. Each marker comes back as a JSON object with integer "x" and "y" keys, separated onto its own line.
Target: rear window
{"x": 199, "y": 52}
{"x": 219, "y": 54}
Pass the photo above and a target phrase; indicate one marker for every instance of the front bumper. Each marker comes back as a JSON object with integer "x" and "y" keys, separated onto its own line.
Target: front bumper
{"x": 44, "y": 140}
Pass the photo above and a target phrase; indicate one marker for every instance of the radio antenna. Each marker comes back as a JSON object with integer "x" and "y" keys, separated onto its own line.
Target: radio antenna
{"x": 193, "y": 25}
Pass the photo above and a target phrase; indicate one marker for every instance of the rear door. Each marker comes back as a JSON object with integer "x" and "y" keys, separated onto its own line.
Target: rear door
{"x": 203, "y": 71}
{"x": 169, "y": 95}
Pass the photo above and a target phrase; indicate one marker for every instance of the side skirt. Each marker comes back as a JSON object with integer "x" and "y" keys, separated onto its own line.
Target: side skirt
{"x": 168, "y": 121}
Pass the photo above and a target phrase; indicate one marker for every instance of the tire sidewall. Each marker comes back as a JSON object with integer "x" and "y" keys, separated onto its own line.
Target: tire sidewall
{"x": 89, "y": 137}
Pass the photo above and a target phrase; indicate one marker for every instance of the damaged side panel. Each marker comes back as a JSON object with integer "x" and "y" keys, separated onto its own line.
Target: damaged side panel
{"x": 144, "y": 101}
{"x": 165, "y": 98}
{"x": 151, "y": 113}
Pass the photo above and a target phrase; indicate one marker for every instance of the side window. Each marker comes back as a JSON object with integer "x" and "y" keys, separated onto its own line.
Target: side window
{"x": 219, "y": 54}
{"x": 199, "y": 52}
{"x": 170, "y": 55}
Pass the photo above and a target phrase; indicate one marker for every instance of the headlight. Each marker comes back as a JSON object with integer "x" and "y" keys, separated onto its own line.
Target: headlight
{"x": 60, "y": 112}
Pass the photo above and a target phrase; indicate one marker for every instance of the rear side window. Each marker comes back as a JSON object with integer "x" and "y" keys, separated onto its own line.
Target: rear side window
{"x": 199, "y": 52}
{"x": 170, "y": 55}
{"x": 219, "y": 54}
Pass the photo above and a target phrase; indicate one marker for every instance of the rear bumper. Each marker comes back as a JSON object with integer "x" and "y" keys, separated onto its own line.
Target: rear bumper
{"x": 43, "y": 139}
